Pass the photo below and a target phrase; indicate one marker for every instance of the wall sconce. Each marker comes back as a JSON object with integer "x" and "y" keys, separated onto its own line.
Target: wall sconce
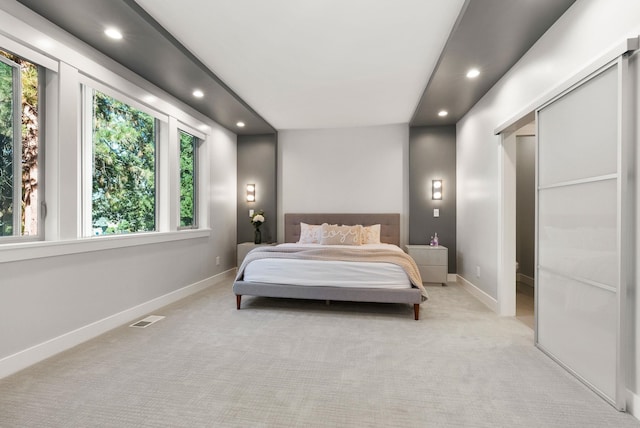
{"x": 436, "y": 190}
{"x": 251, "y": 192}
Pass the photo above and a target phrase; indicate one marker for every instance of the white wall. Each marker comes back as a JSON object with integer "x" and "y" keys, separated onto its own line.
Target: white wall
{"x": 586, "y": 31}
{"x": 46, "y": 300}
{"x": 347, "y": 170}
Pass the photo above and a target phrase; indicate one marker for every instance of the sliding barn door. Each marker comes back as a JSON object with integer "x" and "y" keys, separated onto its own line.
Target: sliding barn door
{"x": 578, "y": 310}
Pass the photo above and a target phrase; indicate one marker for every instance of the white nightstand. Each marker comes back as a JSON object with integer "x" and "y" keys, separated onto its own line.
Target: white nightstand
{"x": 244, "y": 248}
{"x": 432, "y": 262}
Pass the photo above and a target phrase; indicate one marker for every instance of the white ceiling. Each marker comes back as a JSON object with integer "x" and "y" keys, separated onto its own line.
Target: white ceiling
{"x": 316, "y": 63}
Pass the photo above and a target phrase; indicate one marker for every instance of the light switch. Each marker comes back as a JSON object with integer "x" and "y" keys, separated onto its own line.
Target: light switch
{"x": 250, "y": 213}
{"x": 436, "y": 212}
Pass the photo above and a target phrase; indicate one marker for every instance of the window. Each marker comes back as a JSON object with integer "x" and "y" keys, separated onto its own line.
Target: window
{"x": 123, "y": 179}
{"x": 188, "y": 152}
{"x": 19, "y": 147}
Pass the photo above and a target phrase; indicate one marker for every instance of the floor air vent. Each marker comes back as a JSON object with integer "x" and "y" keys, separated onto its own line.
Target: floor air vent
{"x": 146, "y": 322}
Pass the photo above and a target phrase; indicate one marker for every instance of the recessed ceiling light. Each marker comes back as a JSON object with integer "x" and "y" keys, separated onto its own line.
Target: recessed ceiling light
{"x": 473, "y": 73}
{"x": 149, "y": 98}
{"x": 198, "y": 93}
{"x": 113, "y": 33}
{"x": 443, "y": 113}
{"x": 240, "y": 124}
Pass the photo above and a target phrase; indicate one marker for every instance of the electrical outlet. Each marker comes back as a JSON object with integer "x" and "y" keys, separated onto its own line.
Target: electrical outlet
{"x": 477, "y": 271}
{"x": 436, "y": 212}
{"x": 217, "y": 260}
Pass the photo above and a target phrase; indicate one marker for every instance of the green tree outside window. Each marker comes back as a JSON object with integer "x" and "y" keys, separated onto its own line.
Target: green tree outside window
{"x": 26, "y": 178}
{"x": 124, "y": 165}
{"x": 188, "y": 147}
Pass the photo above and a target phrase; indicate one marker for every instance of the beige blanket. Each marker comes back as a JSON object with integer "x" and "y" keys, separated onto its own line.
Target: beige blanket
{"x": 338, "y": 253}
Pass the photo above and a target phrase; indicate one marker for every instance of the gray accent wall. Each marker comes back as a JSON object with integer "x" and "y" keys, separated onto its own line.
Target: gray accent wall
{"x": 257, "y": 164}
{"x": 432, "y": 155}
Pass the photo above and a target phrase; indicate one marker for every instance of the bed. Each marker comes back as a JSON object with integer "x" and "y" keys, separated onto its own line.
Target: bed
{"x": 288, "y": 271}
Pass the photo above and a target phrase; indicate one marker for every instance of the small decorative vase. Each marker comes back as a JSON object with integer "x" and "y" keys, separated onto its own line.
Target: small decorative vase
{"x": 257, "y": 237}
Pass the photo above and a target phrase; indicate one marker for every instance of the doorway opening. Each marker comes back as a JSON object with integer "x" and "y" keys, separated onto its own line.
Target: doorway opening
{"x": 584, "y": 156}
{"x": 516, "y": 284}
{"x": 525, "y": 224}
{"x": 516, "y": 297}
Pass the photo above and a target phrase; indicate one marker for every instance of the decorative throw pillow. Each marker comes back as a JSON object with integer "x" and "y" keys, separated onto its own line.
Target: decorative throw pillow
{"x": 371, "y": 234}
{"x": 340, "y": 235}
{"x": 309, "y": 233}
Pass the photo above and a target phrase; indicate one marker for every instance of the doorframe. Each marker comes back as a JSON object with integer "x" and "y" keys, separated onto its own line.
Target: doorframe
{"x": 507, "y": 243}
{"x": 506, "y": 131}
{"x": 506, "y": 292}
{"x": 506, "y": 215}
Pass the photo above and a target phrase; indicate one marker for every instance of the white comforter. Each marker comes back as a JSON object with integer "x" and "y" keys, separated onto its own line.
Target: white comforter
{"x": 329, "y": 273}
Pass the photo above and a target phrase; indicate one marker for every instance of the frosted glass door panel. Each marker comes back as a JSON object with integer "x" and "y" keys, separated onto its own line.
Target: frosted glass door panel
{"x": 578, "y": 248}
{"x": 577, "y": 231}
{"x": 577, "y": 325}
{"x": 577, "y": 133}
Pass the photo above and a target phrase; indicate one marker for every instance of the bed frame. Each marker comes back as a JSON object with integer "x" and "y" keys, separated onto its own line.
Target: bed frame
{"x": 389, "y": 233}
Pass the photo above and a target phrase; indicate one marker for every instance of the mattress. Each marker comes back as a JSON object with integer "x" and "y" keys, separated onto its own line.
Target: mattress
{"x": 329, "y": 273}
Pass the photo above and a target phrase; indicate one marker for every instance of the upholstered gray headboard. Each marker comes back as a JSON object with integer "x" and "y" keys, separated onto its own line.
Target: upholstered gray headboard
{"x": 389, "y": 224}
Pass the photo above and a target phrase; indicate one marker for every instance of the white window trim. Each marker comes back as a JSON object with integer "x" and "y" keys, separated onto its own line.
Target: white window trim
{"x": 88, "y": 86}
{"x": 16, "y": 146}
{"x": 63, "y": 231}
{"x": 42, "y": 249}
{"x": 191, "y": 130}
{"x": 26, "y": 54}
{"x": 87, "y": 81}
{"x": 196, "y": 180}
{"x": 86, "y": 156}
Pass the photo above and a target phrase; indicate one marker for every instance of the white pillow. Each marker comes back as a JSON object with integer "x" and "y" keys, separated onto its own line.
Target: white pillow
{"x": 309, "y": 233}
{"x": 371, "y": 234}
{"x": 340, "y": 235}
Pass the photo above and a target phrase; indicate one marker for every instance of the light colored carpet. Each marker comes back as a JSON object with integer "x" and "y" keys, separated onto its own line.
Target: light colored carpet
{"x": 288, "y": 363}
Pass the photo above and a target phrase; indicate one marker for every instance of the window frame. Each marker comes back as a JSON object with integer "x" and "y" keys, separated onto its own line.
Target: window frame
{"x": 87, "y": 87}
{"x": 196, "y": 141}
{"x": 41, "y": 209}
{"x": 16, "y": 143}
{"x": 62, "y": 72}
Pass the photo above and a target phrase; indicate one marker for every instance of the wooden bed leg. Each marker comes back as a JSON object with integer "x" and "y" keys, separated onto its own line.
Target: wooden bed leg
{"x": 238, "y": 300}
{"x": 416, "y": 311}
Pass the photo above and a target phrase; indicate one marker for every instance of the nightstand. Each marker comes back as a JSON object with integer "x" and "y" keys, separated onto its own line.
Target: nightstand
{"x": 244, "y": 248}
{"x": 432, "y": 262}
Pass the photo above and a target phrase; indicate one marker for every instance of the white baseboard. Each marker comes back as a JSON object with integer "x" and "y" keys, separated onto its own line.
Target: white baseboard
{"x": 452, "y": 277}
{"x": 23, "y": 359}
{"x": 633, "y": 404}
{"x": 489, "y": 301}
{"x": 527, "y": 280}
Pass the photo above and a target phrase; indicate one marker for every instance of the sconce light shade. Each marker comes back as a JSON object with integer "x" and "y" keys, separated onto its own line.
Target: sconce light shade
{"x": 436, "y": 190}
{"x": 251, "y": 192}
